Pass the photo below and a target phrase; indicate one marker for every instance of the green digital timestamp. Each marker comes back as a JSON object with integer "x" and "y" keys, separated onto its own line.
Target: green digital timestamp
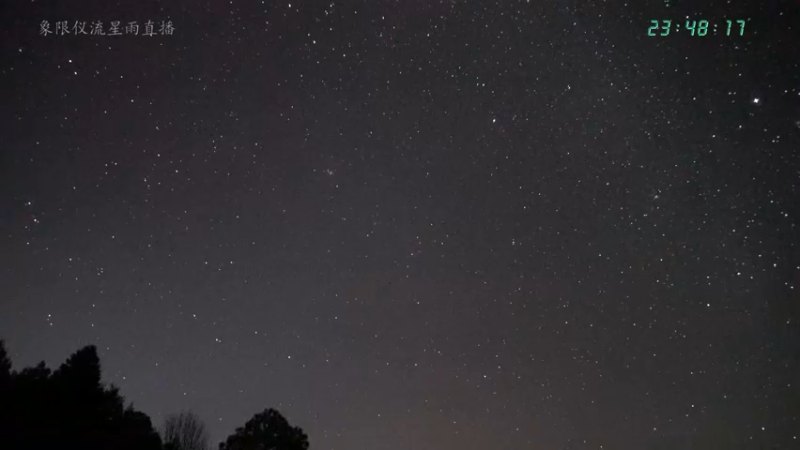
{"x": 697, "y": 27}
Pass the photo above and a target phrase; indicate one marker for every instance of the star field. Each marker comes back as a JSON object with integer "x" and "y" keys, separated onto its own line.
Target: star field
{"x": 414, "y": 225}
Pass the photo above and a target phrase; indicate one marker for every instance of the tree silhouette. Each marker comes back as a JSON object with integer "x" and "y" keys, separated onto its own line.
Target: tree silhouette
{"x": 68, "y": 408}
{"x": 5, "y": 390}
{"x": 71, "y": 408}
{"x": 82, "y": 369}
{"x": 24, "y": 410}
{"x": 267, "y": 430}
{"x": 5, "y": 366}
{"x": 185, "y": 431}
{"x": 134, "y": 431}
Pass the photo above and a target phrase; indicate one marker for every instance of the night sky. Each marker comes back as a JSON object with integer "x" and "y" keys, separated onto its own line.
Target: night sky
{"x": 414, "y": 224}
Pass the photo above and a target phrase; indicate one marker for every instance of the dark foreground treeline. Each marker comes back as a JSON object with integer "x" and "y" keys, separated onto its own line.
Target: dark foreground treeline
{"x": 70, "y": 408}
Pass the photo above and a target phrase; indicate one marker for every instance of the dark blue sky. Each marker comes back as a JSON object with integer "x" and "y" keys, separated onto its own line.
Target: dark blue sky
{"x": 414, "y": 225}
